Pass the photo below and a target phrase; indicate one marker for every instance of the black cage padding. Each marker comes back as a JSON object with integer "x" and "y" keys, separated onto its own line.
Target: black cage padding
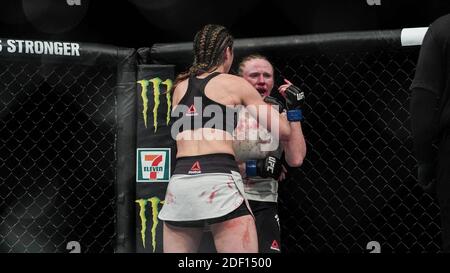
{"x": 181, "y": 53}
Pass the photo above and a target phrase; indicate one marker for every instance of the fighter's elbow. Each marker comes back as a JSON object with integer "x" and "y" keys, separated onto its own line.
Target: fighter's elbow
{"x": 295, "y": 161}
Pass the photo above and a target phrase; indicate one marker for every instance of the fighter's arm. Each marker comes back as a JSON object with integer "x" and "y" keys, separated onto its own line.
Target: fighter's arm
{"x": 426, "y": 89}
{"x": 295, "y": 147}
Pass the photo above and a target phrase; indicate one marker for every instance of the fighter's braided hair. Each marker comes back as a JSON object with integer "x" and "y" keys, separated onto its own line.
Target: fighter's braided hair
{"x": 210, "y": 44}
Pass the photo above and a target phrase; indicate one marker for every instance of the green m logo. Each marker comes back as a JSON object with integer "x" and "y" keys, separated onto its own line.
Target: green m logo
{"x": 156, "y": 84}
{"x": 154, "y": 205}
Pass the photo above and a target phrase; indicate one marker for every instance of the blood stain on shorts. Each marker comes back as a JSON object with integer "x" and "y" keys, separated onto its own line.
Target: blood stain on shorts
{"x": 211, "y": 196}
{"x": 170, "y": 198}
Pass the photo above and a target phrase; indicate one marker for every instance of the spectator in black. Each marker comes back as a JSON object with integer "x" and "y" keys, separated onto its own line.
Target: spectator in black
{"x": 430, "y": 118}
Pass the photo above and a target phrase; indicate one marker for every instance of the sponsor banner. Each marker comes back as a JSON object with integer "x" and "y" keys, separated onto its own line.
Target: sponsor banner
{"x": 148, "y": 203}
{"x": 154, "y": 93}
{"x": 13, "y": 46}
{"x": 153, "y": 164}
{"x": 156, "y": 151}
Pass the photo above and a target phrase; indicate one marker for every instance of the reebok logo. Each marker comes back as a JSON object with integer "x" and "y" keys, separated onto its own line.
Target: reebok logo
{"x": 191, "y": 111}
{"x": 275, "y": 245}
{"x": 195, "y": 169}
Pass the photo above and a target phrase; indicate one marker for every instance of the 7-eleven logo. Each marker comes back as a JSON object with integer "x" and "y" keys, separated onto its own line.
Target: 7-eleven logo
{"x": 153, "y": 165}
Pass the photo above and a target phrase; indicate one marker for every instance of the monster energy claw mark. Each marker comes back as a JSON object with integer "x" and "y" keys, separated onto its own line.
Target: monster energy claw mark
{"x": 154, "y": 202}
{"x": 144, "y": 85}
{"x": 156, "y": 82}
{"x": 142, "y": 204}
{"x": 156, "y": 94}
{"x": 169, "y": 85}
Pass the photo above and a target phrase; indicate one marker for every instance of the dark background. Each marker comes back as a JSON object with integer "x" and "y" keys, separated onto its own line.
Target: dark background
{"x": 359, "y": 184}
{"x": 140, "y": 23}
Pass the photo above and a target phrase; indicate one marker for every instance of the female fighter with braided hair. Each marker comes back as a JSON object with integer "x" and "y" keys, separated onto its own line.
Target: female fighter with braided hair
{"x": 206, "y": 188}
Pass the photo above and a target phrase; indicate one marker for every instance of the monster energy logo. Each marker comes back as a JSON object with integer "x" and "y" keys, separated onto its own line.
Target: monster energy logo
{"x": 156, "y": 84}
{"x": 154, "y": 204}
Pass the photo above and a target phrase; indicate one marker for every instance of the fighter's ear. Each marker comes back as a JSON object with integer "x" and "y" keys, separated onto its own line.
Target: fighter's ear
{"x": 228, "y": 52}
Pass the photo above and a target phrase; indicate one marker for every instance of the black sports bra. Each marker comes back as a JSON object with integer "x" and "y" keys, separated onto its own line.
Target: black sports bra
{"x": 195, "y": 110}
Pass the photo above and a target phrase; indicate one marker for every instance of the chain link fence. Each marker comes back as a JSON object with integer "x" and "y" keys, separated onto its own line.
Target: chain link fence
{"x": 57, "y": 156}
{"x": 358, "y": 181}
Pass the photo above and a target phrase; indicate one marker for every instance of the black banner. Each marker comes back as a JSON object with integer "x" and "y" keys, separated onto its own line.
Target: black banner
{"x": 155, "y": 154}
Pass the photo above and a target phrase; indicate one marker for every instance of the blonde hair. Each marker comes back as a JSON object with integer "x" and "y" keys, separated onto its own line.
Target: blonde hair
{"x": 249, "y": 58}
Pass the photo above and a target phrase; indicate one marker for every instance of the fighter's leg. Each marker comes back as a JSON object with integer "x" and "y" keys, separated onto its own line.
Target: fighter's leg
{"x": 267, "y": 226}
{"x": 237, "y": 235}
{"x": 178, "y": 239}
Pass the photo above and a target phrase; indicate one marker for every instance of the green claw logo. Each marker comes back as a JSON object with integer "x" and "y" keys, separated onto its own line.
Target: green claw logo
{"x": 154, "y": 203}
{"x": 156, "y": 84}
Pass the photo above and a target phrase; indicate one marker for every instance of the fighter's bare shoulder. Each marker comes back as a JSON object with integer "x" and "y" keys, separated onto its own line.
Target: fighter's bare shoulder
{"x": 235, "y": 82}
{"x": 182, "y": 85}
{"x": 179, "y": 91}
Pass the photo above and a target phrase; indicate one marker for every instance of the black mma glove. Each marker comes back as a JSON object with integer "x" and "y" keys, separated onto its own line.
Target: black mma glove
{"x": 295, "y": 99}
{"x": 426, "y": 175}
{"x": 268, "y": 167}
{"x": 276, "y": 102}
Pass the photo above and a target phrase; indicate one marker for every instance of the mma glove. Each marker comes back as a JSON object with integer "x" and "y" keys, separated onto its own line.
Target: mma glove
{"x": 268, "y": 167}
{"x": 295, "y": 99}
{"x": 426, "y": 176}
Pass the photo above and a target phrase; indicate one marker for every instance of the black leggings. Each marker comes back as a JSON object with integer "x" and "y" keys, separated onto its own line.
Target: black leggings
{"x": 443, "y": 190}
{"x": 267, "y": 226}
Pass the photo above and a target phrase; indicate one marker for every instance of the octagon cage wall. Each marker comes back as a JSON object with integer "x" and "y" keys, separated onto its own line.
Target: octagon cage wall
{"x": 69, "y": 129}
{"x": 357, "y": 183}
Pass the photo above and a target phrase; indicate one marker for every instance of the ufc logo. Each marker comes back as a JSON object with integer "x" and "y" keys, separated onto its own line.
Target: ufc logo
{"x": 271, "y": 164}
{"x": 73, "y": 2}
{"x": 300, "y": 96}
{"x": 374, "y": 2}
